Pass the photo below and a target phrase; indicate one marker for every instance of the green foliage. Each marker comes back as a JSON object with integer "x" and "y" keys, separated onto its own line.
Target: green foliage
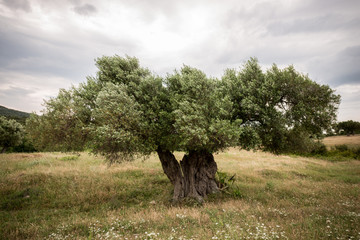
{"x": 341, "y": 152}
{"x": 11, "y": 133}
{"x": 319, "y": 149}
{"x": 25, "y": 146}
{"x": 201, "y": 111}
{"x": 12, "y": 130}
{"x": 59, "y": 128}
{"x": 342, "y": 148}
{"x": 116, "y": 127}
{"x": 337, "y": 153}
{"x": 125, "y": 111}
{"x": 348, "y": 127}
{"x": 285, "y": 109}
{"x": 226, "y": 182}
{"x": 70, "y": 158}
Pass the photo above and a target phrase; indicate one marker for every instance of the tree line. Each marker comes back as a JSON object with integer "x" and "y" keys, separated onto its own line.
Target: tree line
{"x": 348, "y": 128}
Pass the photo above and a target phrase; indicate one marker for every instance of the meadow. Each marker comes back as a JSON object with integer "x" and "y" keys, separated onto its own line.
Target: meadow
{"x": 351, "y": 141}
{"x": 79, "y": 196}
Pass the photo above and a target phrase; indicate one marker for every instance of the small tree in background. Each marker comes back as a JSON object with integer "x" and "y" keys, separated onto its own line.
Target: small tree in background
{"x": 60, "y": 127}
{"x": 126, "y": 112}
{"x": 11, "y": 134}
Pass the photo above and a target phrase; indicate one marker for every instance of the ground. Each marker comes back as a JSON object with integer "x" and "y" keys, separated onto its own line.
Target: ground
{"x": 65, "y": 196}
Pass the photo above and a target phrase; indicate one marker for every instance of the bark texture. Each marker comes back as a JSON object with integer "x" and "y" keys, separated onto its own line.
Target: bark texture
{"x": 193, "y": 177}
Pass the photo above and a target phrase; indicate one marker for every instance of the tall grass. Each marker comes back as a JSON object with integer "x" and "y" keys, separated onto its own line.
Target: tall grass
{"x": 64, "y": 196}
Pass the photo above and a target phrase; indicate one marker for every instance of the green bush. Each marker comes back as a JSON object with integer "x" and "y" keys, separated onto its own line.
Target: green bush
{"x": 226, "y": 184}
{"x": 357, "y": 152}
{"x": 337, "y": 153}
{"x": 11, "y": 134}
{"x": 25, "y": 146}
{"x": 342, "y": 148}
{"x": 223, "y": 180}
{"x": 319, "y": 149}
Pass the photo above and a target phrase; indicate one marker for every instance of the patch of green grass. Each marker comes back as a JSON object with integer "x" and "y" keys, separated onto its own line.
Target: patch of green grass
{"x": 269, "y": 173}
{"x": 270, "y": 186}
{"x": 299, "y": 174}
{"x": 18, "y": 200}
{"x": 334, "y": 173}
{"x": 70, "y": 158}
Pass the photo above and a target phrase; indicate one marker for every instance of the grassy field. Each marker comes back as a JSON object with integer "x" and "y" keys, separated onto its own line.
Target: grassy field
{"x": 64, "y": 196}
{"x": 351, "y": 141}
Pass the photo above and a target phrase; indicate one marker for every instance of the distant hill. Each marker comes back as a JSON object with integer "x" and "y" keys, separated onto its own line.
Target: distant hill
{"x": 14, "y": 114}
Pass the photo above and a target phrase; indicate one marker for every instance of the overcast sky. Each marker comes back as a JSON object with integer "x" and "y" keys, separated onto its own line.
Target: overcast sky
{"x": 46, "y": 44}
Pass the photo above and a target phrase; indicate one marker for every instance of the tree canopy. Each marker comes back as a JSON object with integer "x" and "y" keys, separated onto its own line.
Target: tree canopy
{"x": 285, "y": 108}
{"x": 126, "y": 111}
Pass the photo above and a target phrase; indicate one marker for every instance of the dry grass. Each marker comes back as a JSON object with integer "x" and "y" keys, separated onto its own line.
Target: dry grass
{"x": 352, "y": 141}
{"x": 58, "y": 196}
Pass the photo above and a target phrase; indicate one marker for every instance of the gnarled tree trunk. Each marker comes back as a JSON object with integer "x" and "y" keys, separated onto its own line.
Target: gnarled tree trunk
{"x": 172, "y": 170}
{"x": 193, "y": 177}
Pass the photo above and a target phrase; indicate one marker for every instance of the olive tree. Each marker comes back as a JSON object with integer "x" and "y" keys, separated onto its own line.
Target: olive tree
{"x": 125, "y": 111}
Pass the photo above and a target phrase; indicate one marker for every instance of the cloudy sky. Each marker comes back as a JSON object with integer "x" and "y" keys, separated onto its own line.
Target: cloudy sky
{"x": 46, "y": 44}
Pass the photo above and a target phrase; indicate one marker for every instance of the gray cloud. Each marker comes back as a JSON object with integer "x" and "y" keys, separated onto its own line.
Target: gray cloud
{"x": 85, "y": 9}
{"x": 15, "y": 92}
{"x": 319, "y": 6}
{"x": 257, "y": 12}
{"x": 18, "y": 5}
{"x": 351, "y": 52}
{"x": 152, "y": 10}
{"x": 23, "y": 53}
{"x": 313, "y": 25}
{"x": 26, "y": 91}
{"x": 283, "y": 17}
{"x": 16, "y": 97}
{"x": 52, "y": 44}
{"x": 70, "y": 53}
{"x": 12, "y": 47}
{"x": 338, "y": 68}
